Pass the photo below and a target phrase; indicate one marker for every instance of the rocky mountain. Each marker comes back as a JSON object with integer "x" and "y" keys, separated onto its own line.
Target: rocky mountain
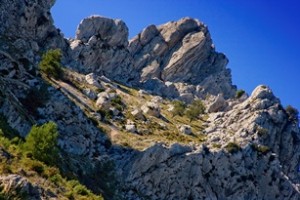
{"x": 154, "y": 117}
{"x": 176, "y": 59}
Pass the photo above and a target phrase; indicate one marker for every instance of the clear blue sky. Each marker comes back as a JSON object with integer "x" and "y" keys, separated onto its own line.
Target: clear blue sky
{"x": 261, "y": 38}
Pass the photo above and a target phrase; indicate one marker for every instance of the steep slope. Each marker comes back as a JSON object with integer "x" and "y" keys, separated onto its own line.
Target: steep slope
{"x": 251, "y": 152}
{"x": 125, "y": 142}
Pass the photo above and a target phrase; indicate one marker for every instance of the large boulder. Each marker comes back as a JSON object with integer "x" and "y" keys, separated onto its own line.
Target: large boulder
{"x": 113, "y": 32}
{"x": 100, "y": 47}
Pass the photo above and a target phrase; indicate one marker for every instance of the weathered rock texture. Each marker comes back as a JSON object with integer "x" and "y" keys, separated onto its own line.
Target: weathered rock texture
{"x": 17, "y": 187}
{"x": 27, "y": 28}
{"x": 263, "y": 165}
{"x": 25, "y": 100}
{"x": 252, "y": 145}
{"x": 181, "y": 51}
{"x": 164, "y": 59}
{"x": 100, "y": 46}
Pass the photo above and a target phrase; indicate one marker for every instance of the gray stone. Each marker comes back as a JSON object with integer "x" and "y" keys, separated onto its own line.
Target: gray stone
{"x": 12, "y": 183}
{"x": 185, "y": 129}
{"x": 130, "y": 128}
{"x": 92, "y": 80}
{"x": 217, "y": 105}
{"x": 138, "y": 114}
{"x": 113, "y": 32}
{"x": 101, "y": 47}
{"x": 90, "y": 93}
{"x": 151, "y": 108}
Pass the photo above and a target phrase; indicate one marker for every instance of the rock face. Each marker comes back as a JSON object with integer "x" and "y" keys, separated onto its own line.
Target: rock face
{"x": 262, "y": 164}
{"x": 252, "y": 146}
{"x": 183, "y": 52}
{"x": 159, "y": 59}
{"x": 26, "y": 28}
{"x": 100, "y": 47}
{"x": 26, "y": 32}
{"x": 16, "y": 187}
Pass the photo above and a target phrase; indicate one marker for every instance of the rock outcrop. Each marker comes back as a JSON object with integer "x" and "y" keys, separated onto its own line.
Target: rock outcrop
{"x": 26, "y": 29}
{"x": 251, "y": 152}
{"x": 17, "y": 187}
{"x": 161, "y": 58}
{"x": 26, "y": 32}
{"x": 251, "y": 146}
{"x": 100, "y": 46}
{"x": 181, "y": 51}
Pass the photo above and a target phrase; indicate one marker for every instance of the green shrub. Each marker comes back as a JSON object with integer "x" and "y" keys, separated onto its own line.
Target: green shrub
{"x": 179, "y": 108}
{"x": 42, "y": 143}
{"x": 216, "y": 145}
{"x": 239, "y": 93}
{"x": 118, "y": 103}
{"x": 99, "y": 90}
{"x": 195, "y": 109}
{"x": 56, "y": 179}
{"x": 232, "y": 147}
{"x": 107, "y": 114}
{"x": 36, "y": 166}
{"x": 81, "y": 190}
{"x": 292, "y": 113}
{"x": 50, "y": 64}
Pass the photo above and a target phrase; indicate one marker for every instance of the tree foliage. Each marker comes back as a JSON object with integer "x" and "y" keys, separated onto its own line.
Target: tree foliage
{"x": 51, "y": 63}
{"x": 41, "y": 142}
{"x": 239, "y": 93}
{"x": 195, "y": 109}
{"x": 179, "y": 108}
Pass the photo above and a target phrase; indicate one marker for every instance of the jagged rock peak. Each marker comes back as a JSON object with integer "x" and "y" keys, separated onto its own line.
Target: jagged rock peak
{"x": 113, "y": 31}
{"x": 181, "y": 51}
{"x": 262, "y": 92}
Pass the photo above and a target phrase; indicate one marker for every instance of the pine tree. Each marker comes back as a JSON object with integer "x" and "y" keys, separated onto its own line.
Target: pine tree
{"x": 42, "y": 143}
{"x": 50, "y": 64}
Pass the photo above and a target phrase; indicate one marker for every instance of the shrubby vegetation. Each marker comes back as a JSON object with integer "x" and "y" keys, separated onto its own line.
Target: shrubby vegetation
{"x": 232, "y": 147}
{"x": 195, "y": 109}
{"x": 239, "y": 93}
{"x": 262, "y": 149}
{"x": 32, "y": 164}
{"x": 179, "y": 108}
{"x": 50, "y": 64}
{"x": 191, "y": 111}
{"x": 41, "y": 142}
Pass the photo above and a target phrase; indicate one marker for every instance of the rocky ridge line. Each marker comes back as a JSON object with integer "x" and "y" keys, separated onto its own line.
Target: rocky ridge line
{"x": 251, "y": 141}
{"x": 174, "y": 60}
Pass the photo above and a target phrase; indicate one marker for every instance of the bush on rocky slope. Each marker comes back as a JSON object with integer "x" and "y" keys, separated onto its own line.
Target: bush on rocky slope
{"x": 50, "y": 64}
{"x": 23, "y": 177}
{"x": 195, "y": 109}
{"x": 41, "y": 142}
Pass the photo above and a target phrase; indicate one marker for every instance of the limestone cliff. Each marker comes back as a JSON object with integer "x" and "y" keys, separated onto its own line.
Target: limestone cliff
{"x": 126, "y": 142}
{"x": 163, "y": 59}
{"x": 251, "y": 152}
